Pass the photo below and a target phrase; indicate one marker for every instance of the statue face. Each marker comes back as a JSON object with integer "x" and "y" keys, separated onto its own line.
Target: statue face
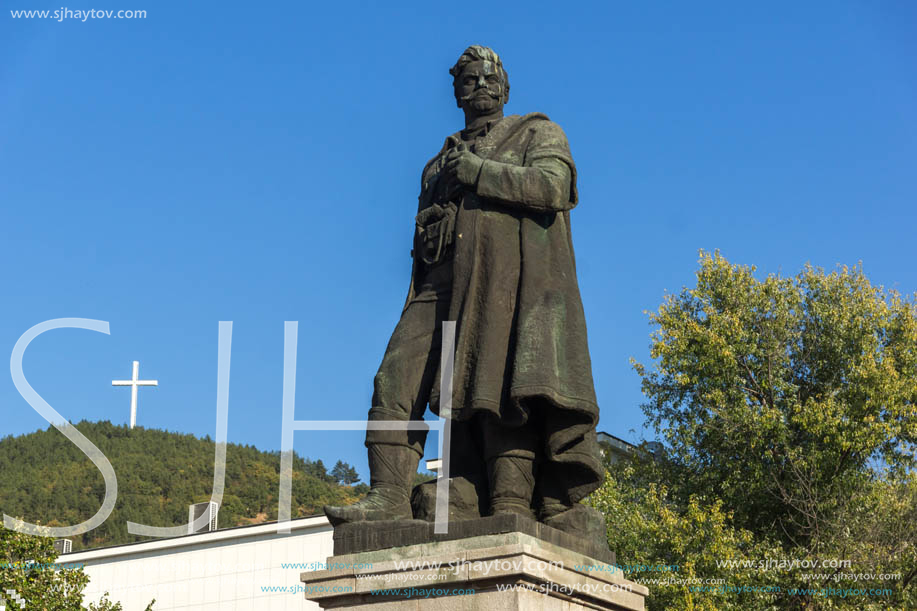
{"x": 480, "y": 87}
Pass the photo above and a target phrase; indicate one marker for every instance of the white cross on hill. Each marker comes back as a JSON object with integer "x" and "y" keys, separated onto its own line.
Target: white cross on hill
{"x": 134, "y": 383}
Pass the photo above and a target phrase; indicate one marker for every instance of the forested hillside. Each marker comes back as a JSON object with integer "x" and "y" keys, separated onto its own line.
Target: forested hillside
{"x": 46, "y": 479}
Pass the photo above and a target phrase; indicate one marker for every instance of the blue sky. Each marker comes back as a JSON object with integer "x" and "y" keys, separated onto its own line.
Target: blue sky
{"x": 256, "y": 163}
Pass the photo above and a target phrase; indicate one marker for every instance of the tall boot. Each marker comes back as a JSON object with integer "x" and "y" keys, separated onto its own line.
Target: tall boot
{"x": 557, "y": 511}
{"x": 391, "y": 473}
{"x": 512, "y": 482}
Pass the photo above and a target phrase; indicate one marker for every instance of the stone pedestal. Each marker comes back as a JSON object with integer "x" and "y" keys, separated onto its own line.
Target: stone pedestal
{"x": 506, "y": 571}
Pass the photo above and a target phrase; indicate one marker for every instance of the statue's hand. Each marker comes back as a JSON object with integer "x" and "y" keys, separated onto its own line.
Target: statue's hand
{"x": 429, "y": 215}
{"x": 462, "y": 167}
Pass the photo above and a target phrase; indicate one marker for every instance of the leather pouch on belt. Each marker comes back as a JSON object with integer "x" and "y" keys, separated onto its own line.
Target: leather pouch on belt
{"x": 436, "y": 236}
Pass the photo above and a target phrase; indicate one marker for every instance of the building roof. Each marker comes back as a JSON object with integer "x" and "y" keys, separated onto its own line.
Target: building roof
{"x": 234, "y": 532}
{"x": 615, "y": 442}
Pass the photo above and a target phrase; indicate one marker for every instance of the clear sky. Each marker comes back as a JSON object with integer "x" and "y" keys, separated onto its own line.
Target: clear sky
{"x": 261, "y": 162}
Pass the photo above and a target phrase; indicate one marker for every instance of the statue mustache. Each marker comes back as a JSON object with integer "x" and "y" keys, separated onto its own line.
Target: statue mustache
{"x": 480, "y": 93}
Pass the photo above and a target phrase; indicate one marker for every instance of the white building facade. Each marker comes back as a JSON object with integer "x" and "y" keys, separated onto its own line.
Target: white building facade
{"x": 247, "y": 568}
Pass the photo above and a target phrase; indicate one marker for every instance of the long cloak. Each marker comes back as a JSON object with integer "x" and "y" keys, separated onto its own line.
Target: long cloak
{"x": 520, "y": 325}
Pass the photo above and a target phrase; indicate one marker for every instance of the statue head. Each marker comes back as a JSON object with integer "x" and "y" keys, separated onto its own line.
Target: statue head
{"x": 480, "y": 83}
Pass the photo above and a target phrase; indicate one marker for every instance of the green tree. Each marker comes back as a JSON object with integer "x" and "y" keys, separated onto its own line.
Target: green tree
{"x": 106, "y": 605}
{"x": 792, "y": 402}
{"x": 343, "y": 473}
{"x": 686, "y": 554}
{"x": 27, "y": 567}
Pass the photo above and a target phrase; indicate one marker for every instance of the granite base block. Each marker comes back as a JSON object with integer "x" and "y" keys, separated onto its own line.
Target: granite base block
{"x": 511, "y": 571}
{"x": 369, "y": 536}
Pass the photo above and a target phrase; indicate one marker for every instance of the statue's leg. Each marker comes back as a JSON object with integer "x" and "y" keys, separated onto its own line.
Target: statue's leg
{"x": 401, "y": 390}
{"x": 510, "y": 456}
{"x": 552, "y": 492}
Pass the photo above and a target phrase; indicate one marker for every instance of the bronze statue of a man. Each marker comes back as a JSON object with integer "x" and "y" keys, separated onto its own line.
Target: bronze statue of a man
{"x": 493, "y": 252}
